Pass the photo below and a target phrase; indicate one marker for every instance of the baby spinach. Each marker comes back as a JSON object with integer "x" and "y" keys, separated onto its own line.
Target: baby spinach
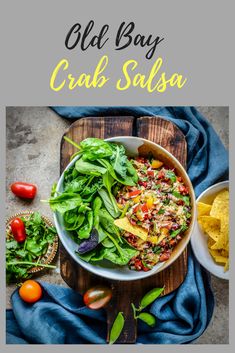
{"x": 88, "y": 203}
{"x": 96, "y": 206}
{"x": 85, "y": 230}
{"x": 119, "y": 160}
{"x": 109, "y": 203}
{"x": 94, "y": 148}
{"x": 107, "y": 222}
{"x": 65, "y": 202}
{"x": 85, "y": 167}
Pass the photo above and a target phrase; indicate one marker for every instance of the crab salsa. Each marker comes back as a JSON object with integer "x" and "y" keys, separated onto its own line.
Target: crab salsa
{"x": 160, "y": 204}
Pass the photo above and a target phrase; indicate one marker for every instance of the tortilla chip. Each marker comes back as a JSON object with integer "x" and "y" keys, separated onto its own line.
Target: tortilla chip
{"x": 125, "y": 224}
{"x": 216, "y": 226}
{"x": 203, "y": 209}
{"x": 226, "y": 266}
{"x": 220, "y": 204}
{"x": 210, "y": 225}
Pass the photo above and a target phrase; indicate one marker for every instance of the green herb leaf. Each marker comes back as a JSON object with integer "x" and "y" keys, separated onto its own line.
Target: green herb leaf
{"x": 85, "y": 167}
{"x": 171, "y": 175}
{"x": 181, "y": 197}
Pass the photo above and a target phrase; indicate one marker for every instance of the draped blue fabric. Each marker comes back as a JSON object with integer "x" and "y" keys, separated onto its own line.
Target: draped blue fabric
{"x": 182, "y": 316}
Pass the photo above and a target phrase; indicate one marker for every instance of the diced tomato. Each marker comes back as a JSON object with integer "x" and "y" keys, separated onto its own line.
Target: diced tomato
{"x": 143, "y": 183}
{"x": 183, "y": 190}
{"x": 179, "y": 179}
{"x": 172, "y": 242}
{"x": 164, "y": 257}
{"x": 134, "y": 193}
{"x": 140, "y": 159}
{"x": 145, "y": 269}
{"x": 161, "y": 175}
{"x": 144, "y": 208}
{"x": 180, "y": 202}
{"x": 136, "y": 208}
{"x": 150, "y": 173}
{"x": 138, "y": 265}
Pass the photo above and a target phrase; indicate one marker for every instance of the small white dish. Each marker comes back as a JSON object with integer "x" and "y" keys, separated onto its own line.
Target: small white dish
{"x": 199, "y": 238}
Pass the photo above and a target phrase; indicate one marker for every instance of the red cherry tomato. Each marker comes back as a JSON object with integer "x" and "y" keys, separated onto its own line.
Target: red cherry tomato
{"x": 97, "y": 297}
{"x": 18, "y": 230}
{"x": 24, "y": 190}
{"x": 30, "y": 291}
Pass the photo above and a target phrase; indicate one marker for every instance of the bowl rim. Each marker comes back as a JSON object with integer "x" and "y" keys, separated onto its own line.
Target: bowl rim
{"x": 142, "y": 274}
{"x": 224, "y": 183}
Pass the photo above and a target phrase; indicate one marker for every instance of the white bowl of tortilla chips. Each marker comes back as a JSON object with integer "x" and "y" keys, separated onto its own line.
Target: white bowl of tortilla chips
{"x": 210, "y": 238}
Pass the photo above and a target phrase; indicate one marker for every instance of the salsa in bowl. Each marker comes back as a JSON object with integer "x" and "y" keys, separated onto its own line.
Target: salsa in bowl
{"x": 124, "y": 208}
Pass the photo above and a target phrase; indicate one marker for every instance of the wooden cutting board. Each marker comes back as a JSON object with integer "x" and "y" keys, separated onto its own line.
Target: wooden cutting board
{"x": 168, "y": 136}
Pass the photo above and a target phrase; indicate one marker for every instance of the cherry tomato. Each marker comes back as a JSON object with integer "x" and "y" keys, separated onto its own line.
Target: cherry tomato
{"x": 30, "y": 291}
{"x": 18, "y": 230}
{"x": 97, "y": 297}
{"x": 24, "y": 190}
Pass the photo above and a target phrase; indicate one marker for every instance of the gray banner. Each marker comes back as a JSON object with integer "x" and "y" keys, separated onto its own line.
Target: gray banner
{"x": 197, "y": 44}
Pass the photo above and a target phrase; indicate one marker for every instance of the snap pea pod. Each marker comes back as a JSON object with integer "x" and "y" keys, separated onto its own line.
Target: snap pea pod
{"x": 150, "y": 297}
{"x": 149, "y": 319}
{"x": 117, "y": 328}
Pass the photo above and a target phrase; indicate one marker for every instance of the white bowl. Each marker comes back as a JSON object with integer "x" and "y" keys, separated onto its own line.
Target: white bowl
{"x": 199, "y": 238}
{"x": 134, "y": 146}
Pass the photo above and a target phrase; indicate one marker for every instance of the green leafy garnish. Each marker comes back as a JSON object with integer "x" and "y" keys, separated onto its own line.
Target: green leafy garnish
{"x": 20, "y": 257}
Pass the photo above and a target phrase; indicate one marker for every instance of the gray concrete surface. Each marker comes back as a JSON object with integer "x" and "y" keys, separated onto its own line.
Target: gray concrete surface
{"x": 33, "y": 147}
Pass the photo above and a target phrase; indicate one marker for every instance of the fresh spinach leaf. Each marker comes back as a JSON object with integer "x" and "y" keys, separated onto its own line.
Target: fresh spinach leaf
{"x": 85, "y": 167}
{"x": 65, "y": 202}
{"x": 110, "y": 203}
{"x": 85, "y": 230}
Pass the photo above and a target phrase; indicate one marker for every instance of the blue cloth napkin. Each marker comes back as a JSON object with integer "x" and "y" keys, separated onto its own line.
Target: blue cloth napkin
{"x": 183, "y": 315}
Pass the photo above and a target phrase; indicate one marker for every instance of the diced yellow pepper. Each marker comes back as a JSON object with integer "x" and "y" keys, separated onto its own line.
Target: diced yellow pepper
{"x": 156, "y": 164}
{"x": 136, "y": 199}
{"x": 120, "y": 205}
{"x": 153, "y": 239}
{"x": 149, "y": 202}
{"x": 164, "y": 231}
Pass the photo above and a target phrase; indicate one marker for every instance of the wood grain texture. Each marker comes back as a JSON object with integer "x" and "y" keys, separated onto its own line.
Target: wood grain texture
{"x": 168, "y": 136}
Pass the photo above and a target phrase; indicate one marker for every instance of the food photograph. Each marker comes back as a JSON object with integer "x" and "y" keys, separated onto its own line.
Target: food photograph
{"x": 117, "y": 225}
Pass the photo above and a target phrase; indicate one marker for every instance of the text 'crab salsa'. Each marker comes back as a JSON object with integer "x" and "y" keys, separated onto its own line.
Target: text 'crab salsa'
{"x": 160, "y": 205}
